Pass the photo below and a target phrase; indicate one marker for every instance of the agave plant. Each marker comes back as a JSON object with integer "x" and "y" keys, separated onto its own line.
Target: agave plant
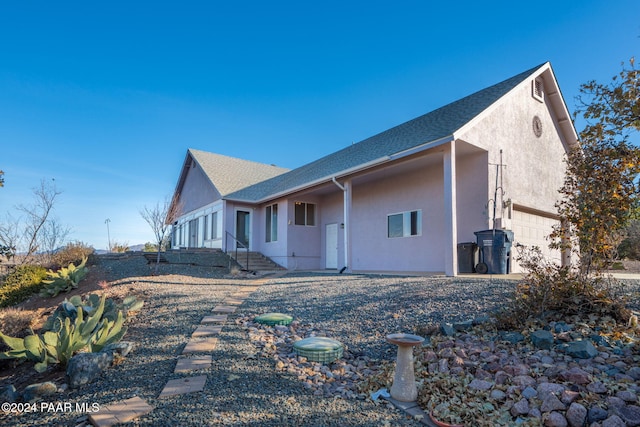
{"x": 65, "y": 279}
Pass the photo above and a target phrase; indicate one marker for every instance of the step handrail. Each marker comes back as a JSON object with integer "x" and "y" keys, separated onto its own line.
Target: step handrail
{"x": 238, "y": 242}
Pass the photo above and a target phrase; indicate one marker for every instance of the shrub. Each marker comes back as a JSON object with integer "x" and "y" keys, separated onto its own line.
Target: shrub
{"x": 64, "y": 280}
{"x": 119, "y": 247}
{"x": 549, "y": 289}
{"x": 150, "y": 247}
{"x": 72, "y": 253}
{"x": 21, "y": 283}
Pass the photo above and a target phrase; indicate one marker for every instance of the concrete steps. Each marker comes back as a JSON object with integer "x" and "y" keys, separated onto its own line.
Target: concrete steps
{"x": 257, "y": 262}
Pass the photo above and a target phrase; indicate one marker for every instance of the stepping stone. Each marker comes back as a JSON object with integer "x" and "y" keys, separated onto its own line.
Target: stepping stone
{"x": 233, "y": 301}
{"x": 118, "y": 413}
{"x": 187, "y": 364}
{"x": 206, "y": 331}
{"x": 200, "y": 346}
{"x": 241, "y": 294}
{"x": 224, "y": 309}
{"x": 184, "y": 386}
{"x": 249, "y": 288}
{"x": 219, "y": 318}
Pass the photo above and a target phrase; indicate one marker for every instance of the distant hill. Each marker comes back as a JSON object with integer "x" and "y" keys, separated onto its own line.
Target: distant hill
{"x": 133, "y": 248}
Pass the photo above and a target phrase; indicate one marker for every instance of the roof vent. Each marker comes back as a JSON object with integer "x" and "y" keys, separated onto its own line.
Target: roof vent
{"x": 537, "y": 89}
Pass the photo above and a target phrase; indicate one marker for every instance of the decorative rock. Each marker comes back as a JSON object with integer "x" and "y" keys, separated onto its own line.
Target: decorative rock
{"x": 561, "y": 327}
{"x": 546, "y": 389}
{"x": 83, "y": 368}
{"x": 627, "y": 396}
{"x": 613, "y": 421}
{"x": 581, "y": 349}
{"x": 498, "y": 394}
{"x": 576, "y": 375}
{"x": 615, "y": 403}
{"x": 529, "y": 393}
{"x": 597, "y": 387}
{"x": 596, "y": 414}
{"x": 634, "y": 373}
{"x": 477, "y": 384}
{"x": 463, "y": 326}
{"x": 9, "y": 394}
{"x": 552, "y": 403}
{"x": 521, "y": 407}
{"x": 512, "y": 337}
{"x": 568, "y": 396}
{"x": 523, "y": 381}
{"x": 36, "y": 391}
{"x": 542, "y": 339}
{"x": 555, "y": 419}
{"x": 121, "y": 348}
{"x": 576, "y": 415}
{"x": 447, "y": 329}
{"x": 630, "y": 414}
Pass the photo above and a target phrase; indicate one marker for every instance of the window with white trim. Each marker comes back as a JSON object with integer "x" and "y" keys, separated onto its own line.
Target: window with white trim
{"x": 305, "y": 214}
{"x": 271, "y": 216}
{"x": 205, "y": 229}
{"x": 215, "y": 233}
{"x": 404, "y": 224}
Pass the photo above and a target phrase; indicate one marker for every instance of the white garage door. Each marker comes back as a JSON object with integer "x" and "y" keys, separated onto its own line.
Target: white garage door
{"x": 532, "y": 230}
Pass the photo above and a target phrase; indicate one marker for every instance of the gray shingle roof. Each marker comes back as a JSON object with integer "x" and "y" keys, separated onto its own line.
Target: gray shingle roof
{"x": 430, "y": 127}
{"x": 230, "y": 174}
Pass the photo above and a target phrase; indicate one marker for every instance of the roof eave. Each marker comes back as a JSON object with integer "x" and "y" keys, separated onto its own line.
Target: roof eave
{"x": 350, "y": 171}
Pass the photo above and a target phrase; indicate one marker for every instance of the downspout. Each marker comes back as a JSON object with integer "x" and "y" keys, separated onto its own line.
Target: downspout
{"x": 346, "y": 222}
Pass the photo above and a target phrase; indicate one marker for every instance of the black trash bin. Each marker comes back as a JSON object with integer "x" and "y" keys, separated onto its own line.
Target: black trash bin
{"x": 495, "y": 250}
{"x": 467, "y": 257}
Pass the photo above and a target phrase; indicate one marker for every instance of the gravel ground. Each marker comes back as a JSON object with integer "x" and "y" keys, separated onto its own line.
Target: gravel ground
{"x": 243, "y": 388}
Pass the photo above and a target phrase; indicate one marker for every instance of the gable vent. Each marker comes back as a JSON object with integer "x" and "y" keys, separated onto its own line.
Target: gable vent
{"x": 537, "y": 89}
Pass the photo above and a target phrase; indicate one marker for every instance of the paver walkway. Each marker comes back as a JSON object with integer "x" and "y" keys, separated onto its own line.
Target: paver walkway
{"x": 203, "y": 340}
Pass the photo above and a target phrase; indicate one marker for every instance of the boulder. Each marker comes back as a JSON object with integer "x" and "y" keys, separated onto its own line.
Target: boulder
{"x": 552, "y": 403}
{"x": 121, "y": 348}
{"x": 9, "y": 394}
{"x": 84, "y": 368}
{"x": 38, "y": 391}
{"x": 542, "y": 339}
{"x": 596, "y": 414}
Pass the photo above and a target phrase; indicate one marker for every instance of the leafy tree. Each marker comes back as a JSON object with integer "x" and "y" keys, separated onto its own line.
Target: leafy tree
{"x": 160, "y": 217}
{"x": 600, "y": 189}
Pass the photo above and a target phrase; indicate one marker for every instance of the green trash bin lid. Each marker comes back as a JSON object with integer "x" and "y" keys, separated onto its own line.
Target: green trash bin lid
{"x": 274, "y": 319}
{"x": 319, "y": 349}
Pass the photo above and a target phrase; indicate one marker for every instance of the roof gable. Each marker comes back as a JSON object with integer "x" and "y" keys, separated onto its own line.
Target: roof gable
{"x": 222, "y": 171}
{"x": 440, "y": 124}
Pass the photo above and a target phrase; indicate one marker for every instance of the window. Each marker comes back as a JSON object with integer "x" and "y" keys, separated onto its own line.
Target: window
{"x": 404, "y": 224}
{"x": 305, "y": 214}
{"x": 205, "y": 229}
{"x": 271, "y": 230}
{"x": 214, "y": 226}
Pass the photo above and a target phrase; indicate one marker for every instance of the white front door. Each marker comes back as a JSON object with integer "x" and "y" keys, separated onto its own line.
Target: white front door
{"x": 331, "y": 246}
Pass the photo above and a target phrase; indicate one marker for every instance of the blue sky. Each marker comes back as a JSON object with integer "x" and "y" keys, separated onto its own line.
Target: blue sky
{"x": 106, "y": 97}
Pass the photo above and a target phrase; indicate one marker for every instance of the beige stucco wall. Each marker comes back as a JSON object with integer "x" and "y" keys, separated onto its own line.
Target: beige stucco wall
{"x": 534, "y": 167}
